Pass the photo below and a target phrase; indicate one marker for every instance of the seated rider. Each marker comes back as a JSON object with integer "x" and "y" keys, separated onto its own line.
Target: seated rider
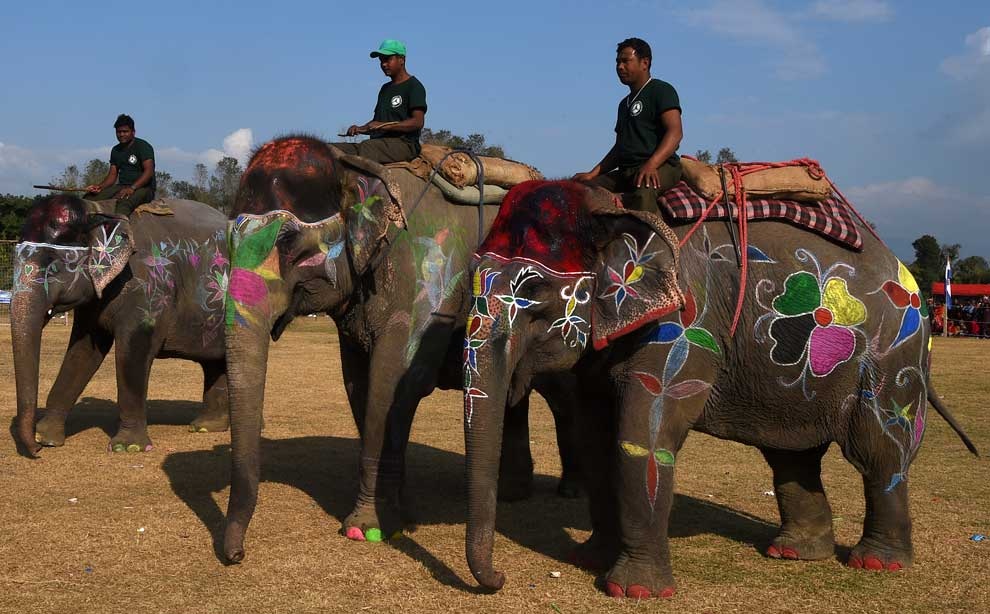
{"x": 399, "y": 113}
{"x": 643, "y": 162}
{"x": 131, "y": 178}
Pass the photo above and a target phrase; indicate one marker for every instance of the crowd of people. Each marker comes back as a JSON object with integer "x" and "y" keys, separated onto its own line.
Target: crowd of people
{"x": 968, "y": 317}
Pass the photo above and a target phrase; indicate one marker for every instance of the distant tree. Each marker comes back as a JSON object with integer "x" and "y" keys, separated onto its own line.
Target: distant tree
{"x": 201, "y": 176}
{"x": 725, "y": 155}
{"x": 928, "y": 265}
{"x": 971, "y": 270}
{"x": 186, "y": 190}
{"x": 223, "y": 184}
{"x": 15, "y": 209}
{"x": 69, "y": 178}
{"x": 95, "y": 171}
{"x": 474, "y": 143}
{"x": 163, "y": 184}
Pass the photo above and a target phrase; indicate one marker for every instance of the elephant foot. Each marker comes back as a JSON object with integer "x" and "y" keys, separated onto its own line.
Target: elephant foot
{"x": 869, "y": 556}
{"x": 214, "y": 422}
{"x": 807, "y": 549}
{"x": 131, "y": 440}
{"x": 373, "y": 523}
{"x": 639, "y": 580}
{"x": 50, "y": 430}
{"x": 570, "y": 486}
{"x": 597, "y": 554}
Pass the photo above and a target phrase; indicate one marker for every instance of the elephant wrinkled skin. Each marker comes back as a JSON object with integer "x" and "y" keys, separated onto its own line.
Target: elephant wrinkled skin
{"x": 154, "y": 285}
{"x": 832, "y": 346}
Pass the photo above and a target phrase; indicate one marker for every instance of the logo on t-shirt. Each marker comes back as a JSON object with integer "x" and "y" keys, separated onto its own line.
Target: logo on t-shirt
{"x": 637, "y": 108}
{"x": 396, "y": 101}
{"x": 132, "y": 159}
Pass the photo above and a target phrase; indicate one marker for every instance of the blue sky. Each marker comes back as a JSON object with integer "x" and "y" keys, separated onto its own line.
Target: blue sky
{"x": 892, "y": 97}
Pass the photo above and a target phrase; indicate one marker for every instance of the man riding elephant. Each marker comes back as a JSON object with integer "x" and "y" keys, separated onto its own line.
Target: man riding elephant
{"x": 643, "y": 162}
{"x": 131, "y": 178}
{"x": 399, "y": 112}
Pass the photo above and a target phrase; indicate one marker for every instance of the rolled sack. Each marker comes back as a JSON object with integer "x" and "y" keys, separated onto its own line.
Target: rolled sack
{"x": 461, "y": 171}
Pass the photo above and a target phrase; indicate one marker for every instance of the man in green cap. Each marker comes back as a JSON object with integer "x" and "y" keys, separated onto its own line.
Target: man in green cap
{"x": 643, "y": 162}
{"x": 399, "y": 113}
{"x": 131, "y": 179}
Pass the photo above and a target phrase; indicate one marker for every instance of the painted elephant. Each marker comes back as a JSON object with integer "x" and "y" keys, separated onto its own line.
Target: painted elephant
{"x": 153, "y": 284}
{"x": 831, "y": 346}
{"x": 318, "y": 231}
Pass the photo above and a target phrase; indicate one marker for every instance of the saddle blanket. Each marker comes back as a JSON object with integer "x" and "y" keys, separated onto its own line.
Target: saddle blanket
{"x": 830, "y": 218}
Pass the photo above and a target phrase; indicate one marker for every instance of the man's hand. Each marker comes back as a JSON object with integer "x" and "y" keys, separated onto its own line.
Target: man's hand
{"x": 354, "y": 130}
{"x": 584, "y": 177}
{"x": 92, "y": 189}
{"x": 125, "y": 192}
{"x": 647, "y": 176}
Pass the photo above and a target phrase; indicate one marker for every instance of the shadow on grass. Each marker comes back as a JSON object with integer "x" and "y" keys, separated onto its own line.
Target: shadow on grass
{"x": 103, "y": 414}
{"x": 325, "y": 468}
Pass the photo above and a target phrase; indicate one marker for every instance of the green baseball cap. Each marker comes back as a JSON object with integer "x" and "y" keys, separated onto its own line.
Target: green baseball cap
{"x": 389, "y": 46}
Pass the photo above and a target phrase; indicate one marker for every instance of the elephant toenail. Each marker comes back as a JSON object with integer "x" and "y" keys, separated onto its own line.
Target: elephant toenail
{"x": 855, "y": 562}
{"x": 133, "y": 448}
{"x": 373, "y": 534}
{"x": 790, "y": 554}
{"x": 396, "y": 535}
{"x": 635, "y": 591}
{"x": 355, "y": 534}
{"x": 773, "y": 552}
{"x": 668, "y": 592}
{"x": 149, "y": 448}
{"x": 118, "y": 447}
{"x": 614, "y": 590}
{"x": 895, "y": 566}
{"x": 872, "y": 562}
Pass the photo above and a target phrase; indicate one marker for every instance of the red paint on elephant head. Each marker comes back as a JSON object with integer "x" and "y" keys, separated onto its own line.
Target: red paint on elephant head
{"x": 59, "y": 219}
{"x": 545, "y": 221}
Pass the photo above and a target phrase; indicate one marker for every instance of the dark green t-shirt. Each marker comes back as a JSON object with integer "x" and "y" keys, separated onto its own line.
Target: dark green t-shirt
{"x": 396, "y": 102}
{"x": 129, "y": 160}
{"x": 638, "y": 128}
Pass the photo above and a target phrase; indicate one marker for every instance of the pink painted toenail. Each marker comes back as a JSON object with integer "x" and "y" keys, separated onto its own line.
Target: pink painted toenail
{"x": 636, "y": 591}
{"x": 895, "y": 566}
{"x": 149, "y": 448}
{"x": 773, "y": 552}
{"x": 855, "y": 562}
{"x": 355, "y": 534}
{"x": 872, "y": 562}
{"x": 790, "y": 553}
{"x": 668, "y": 592}
{"x": 614, "y": 590}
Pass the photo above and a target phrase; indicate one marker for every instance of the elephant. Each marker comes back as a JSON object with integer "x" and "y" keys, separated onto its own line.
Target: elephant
{"x": 383, "y": 253}
{"x": 832, "y": 345}
{"x": 153, "y": 284}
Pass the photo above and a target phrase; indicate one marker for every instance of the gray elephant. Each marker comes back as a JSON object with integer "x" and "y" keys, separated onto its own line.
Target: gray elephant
{"x": 318, "y": 231}
{"x": 831, "y": 345}
{"x": 154, "y": 285}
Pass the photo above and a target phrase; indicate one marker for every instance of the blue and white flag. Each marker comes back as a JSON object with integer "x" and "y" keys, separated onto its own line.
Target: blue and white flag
{"x": 948, "y": 286}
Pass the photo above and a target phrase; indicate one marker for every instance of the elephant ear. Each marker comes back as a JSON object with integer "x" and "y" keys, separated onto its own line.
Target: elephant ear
{"x": 635, "y": 273}
{"x": 371, "y": 207}
{"x": 110, "y": 248}
{"x": 313, "y": 248}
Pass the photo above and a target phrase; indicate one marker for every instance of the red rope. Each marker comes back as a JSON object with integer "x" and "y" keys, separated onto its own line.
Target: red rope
{"x": 738, "y": 171}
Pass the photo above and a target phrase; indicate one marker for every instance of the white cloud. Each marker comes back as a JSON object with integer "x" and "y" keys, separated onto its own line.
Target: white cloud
{"x": 852, "y": 10}
{"x": 21, "y": 167}
{"x": 974, "y": 61}
{"x": 905, "y": 209}
{"x": 753, "y": 21}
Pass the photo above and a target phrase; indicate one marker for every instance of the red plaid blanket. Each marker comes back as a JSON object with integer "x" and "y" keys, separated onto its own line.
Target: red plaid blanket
{"x": 830, "y": 218}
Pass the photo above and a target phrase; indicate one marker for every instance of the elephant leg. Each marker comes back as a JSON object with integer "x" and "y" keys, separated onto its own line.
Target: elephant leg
{"x": 133, "y": 362}
{"x": 805, "y": 515}
{"x": 392, "y": 398}
{"x": 562, "y": 404}
{"x": 594, "y": 430}
{"x": 515, "y": 472}
{"x": 214, "y": 417}
{"x": 88, "y": 346}
{"x": 355, "y": 368}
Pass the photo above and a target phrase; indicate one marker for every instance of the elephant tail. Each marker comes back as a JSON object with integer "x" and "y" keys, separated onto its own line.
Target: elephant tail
{"x": 943, "y": 411}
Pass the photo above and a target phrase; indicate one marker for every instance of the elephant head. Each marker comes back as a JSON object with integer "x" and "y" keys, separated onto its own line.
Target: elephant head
{"x": 309, "y": 223}
{"x": 564, "y": 272}
{"x": 69, "y": 253}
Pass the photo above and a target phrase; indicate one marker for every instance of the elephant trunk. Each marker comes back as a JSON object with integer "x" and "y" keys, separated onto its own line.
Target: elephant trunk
{"x": 483, "y": 424}
{"x": 247, "y": 364}
{"x": 29, "y": 314}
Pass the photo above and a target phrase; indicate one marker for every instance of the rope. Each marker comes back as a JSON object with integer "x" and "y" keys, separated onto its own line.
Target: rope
{"x": 738, "y": 170}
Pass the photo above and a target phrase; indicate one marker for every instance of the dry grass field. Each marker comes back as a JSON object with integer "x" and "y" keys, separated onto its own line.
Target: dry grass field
{"x": 88, "y": 531}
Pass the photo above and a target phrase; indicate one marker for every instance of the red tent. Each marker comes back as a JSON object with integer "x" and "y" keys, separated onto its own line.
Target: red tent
{"x": 938, "y": 289}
